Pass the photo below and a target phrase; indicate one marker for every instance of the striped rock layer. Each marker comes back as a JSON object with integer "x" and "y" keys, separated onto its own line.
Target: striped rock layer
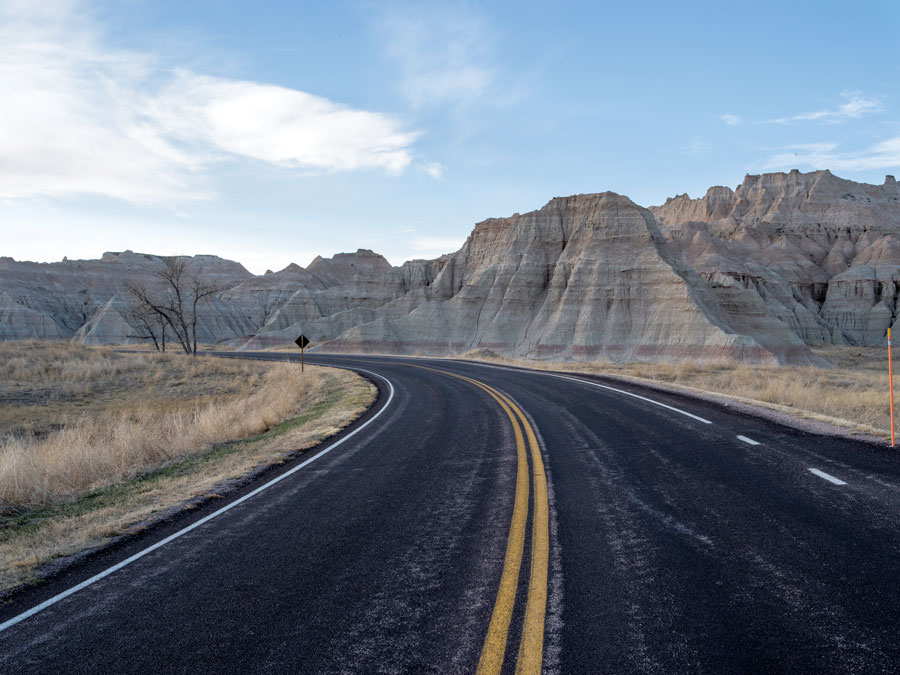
{"x": 756, "y": 274}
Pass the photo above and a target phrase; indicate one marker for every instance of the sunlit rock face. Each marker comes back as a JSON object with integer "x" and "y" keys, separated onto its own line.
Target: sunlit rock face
{"x": 585, "y": 277}
{"x": 820, "y": 253}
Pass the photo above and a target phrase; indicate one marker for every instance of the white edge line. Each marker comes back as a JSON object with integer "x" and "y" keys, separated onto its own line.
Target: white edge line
{"x": 830, "y": 479}
{"x": 593, "y": 384}
{"x": 140, "y": 554}
{"x": 628, "y": 393}
{"x": 748, "y": 441}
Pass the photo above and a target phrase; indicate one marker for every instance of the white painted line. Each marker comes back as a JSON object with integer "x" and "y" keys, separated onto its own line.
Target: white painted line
{"x": 831, "y": 479}
{"x": 628, "y": 393}
{"x": 748, "y": 441}
{"x": 140, "y": 554}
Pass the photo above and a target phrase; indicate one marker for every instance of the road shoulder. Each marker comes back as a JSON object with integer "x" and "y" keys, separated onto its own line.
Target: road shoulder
{"x": 101, "y": 525}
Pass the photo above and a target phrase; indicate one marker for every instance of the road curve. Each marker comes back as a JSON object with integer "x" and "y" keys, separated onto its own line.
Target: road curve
{"x": 679, "y": 536}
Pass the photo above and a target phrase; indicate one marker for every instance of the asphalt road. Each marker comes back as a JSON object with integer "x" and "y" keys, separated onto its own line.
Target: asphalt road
{"x": 670, "y": 536}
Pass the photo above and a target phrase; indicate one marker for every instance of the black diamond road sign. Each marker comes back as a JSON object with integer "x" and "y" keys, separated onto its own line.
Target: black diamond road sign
{"x": 302, "y": 342}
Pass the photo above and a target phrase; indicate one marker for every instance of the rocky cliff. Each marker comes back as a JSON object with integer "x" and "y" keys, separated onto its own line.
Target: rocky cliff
{"x": 334, "y": 294}
{"x": 820, "y": 253}
{"x": 89, "y": 300}
{"x": 757, "y": 273}
{"x": 588, "y": 276}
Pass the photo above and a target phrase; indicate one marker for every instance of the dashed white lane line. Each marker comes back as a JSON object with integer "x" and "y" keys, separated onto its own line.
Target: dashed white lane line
{"x": 628, "y": 393}
{"x": 140, "y": 554}
{"x": 748, "y": 441}
{"x": 830, "y": 479}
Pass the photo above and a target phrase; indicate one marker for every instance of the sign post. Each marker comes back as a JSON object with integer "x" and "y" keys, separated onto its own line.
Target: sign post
{"x": 302, "y": 342}
{"x": 891, "y": 384}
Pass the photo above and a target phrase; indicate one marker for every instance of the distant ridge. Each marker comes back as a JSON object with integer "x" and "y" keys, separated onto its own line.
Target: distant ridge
{"x": 756, "y": 273}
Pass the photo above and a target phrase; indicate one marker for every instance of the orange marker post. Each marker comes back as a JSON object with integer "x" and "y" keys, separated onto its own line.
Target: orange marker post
{"x": 891, "y": 378}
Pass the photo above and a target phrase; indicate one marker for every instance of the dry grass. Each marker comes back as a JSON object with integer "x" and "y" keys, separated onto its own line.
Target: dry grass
{"x": 853, "y": 394}
{"x": 46, "y": 385}
{"x": 131, "y": 435}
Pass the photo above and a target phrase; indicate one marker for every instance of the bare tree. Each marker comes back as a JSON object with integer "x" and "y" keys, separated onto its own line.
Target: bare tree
{"x": 175, "y": 298}
{"x": 148, "y": 325}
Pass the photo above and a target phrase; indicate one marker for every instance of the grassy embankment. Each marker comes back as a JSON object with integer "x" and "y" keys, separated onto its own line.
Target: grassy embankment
{"x": 94, "y": 443}
{"x": 854, "y": 394}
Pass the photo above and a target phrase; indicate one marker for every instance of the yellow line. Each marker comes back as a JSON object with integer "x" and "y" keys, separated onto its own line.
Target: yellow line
{"x": 492, "y": 652}
{"x": 531, "y": 644}
{"x": 491, "y": 660}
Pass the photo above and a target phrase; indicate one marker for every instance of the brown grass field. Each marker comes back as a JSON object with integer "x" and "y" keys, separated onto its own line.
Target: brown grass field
{"x": 94, "y": 442}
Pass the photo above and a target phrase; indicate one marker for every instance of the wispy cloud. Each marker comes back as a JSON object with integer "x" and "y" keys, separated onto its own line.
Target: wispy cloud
{"x": 697, "y": 147}
{"x": 444, "y": 55}
{"x": 883, "y": 155}
{"x": 80, "y": 118}
{"x": 277, "y": 125}
{"x": 855, "y": 105}
{"x": 434, "y": 169}
{"x": 730, "y": 120}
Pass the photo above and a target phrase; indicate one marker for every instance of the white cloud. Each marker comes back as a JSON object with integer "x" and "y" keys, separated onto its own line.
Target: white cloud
{"x": 855, "y": 106}
{"x": 444, "y": 55}
{"x": 279, "y": 125}
{"x": 883, "y": 155}
{"x": 79, "y": 118}
{"x": 434, "y": 169}
{"x": 730, "y": 120}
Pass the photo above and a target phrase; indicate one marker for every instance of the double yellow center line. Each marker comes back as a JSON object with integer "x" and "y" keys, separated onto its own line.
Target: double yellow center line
{"x": 531, "y": 643}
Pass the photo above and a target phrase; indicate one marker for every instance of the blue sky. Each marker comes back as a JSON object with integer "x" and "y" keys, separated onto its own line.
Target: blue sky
{"x": 269, "y": 133}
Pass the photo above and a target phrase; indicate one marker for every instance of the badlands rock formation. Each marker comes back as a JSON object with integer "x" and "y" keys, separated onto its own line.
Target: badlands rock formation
{"x": 332, "y": 295}
{"x": 757, "y": 273}
{"x": 819, "y": 253}
{"x": 89, "y": 299}
{"x": 584, "y": 277}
